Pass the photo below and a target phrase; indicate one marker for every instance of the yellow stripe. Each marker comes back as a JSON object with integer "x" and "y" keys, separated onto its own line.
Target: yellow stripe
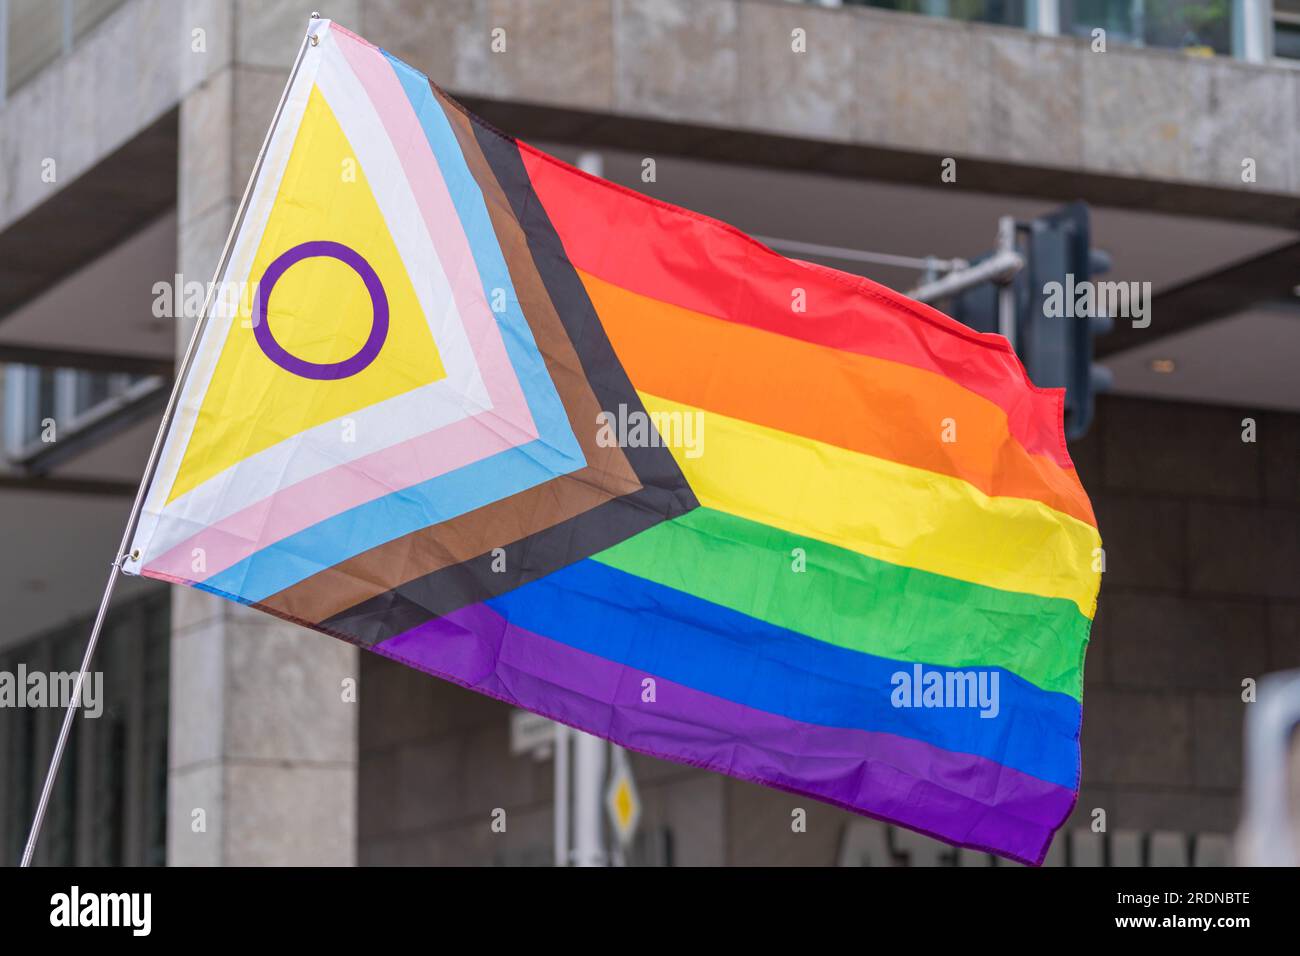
{"x": 896, "y": 513}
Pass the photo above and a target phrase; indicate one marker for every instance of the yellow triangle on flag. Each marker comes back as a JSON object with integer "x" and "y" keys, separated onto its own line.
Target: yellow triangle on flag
{"x": 320, "y": 312}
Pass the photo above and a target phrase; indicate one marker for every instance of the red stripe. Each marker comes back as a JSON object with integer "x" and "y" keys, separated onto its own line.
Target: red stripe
{"x": 697, "y": 263}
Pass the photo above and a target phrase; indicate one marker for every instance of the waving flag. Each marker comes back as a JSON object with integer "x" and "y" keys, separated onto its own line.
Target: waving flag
{"x": 621, "y": 465}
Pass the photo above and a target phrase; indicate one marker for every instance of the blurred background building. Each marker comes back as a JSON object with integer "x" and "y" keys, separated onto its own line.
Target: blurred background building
{"x": 128, "y": 129}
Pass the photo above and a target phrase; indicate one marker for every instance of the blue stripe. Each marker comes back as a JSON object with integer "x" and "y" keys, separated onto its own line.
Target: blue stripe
{"x": 359, "y": 529}
{"x": 681, "y": 638}
{"x": 545, "y": 405}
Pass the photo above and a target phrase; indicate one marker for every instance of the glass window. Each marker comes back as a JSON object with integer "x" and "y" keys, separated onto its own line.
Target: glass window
{"x": 1286, "y": 40}
{"x": 91, "y": 388}
{"x": 19, "y": 779}
{"x": 1286, "y": 29}
{"x": 31, "y": 396}
{"x": 109, "y": 804}
{"x": 1204, "y": 26}
{"x": 69, "y": 397}
{"x": 1006, "y": 12}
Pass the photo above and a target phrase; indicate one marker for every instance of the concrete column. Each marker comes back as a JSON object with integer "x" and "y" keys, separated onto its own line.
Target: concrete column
{"x": 263, "y": 743}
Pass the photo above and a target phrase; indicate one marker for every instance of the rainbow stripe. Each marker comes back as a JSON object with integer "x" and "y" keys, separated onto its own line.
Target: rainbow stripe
{"x": 873, "y": 490}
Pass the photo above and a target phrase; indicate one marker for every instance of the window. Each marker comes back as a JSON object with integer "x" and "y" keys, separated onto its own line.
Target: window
{"x": 109, "y": 804}
{"x": 1203, "y": 26}
{"x": 68, "y": 400}
{"x": 1286, "y": 29}
{"x": 1005, "y": 12}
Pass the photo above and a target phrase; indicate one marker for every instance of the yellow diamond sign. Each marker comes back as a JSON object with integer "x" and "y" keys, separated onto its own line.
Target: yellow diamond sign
{"x": 621, "y": 800}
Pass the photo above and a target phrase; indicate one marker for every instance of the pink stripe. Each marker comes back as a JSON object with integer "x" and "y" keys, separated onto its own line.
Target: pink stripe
{"x": 301, "y": 505}
{"x": 434, "y": 199}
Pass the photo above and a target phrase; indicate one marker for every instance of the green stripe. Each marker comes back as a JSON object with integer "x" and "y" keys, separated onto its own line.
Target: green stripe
{"x": 860, "y": 603}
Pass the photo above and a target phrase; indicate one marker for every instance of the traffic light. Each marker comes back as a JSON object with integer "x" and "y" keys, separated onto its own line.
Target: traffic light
{"x": 1052, "y": 339}
{"x": 1055, "y": 342}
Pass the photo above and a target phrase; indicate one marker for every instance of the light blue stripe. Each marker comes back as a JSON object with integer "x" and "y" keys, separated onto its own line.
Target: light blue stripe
{"x": 545, "y": 405}
{"x": 359, "y": 529}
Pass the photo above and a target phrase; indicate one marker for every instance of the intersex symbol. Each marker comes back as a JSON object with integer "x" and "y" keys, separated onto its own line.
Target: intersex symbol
{"x": 327, "y": 371}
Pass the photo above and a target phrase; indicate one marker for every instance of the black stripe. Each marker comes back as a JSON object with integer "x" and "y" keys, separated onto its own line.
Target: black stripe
{"x": 665, "y": 493}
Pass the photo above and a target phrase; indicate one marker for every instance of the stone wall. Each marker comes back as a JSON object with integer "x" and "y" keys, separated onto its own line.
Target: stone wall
{"x": 875, "y": 94}
{"x": 1202, "y": 539}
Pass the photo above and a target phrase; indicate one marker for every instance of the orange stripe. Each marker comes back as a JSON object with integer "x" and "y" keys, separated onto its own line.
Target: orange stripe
{"x": 865, "y": 404}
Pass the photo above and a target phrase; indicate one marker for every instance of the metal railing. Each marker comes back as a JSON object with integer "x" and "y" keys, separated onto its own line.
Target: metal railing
{"x": 1243, "y": 29}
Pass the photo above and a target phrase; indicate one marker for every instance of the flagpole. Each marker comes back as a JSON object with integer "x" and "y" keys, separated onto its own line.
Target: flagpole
{"x": 590, "y": 753}
{"x": 150, "y": 467}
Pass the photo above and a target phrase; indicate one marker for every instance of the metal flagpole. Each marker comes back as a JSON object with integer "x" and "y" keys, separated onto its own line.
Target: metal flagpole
{"x": 150, "y": 466}
{"x": 590, "y": 754}
{"x": 563, "y": 736}
{"x": 861, "y": 255}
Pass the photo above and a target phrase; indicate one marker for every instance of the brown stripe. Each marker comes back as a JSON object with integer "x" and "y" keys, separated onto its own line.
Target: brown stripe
{"x": 608, "y": 473}
{"x": 663, "y": 496}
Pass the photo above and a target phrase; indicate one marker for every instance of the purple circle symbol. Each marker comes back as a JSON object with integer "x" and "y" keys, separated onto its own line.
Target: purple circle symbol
{"x": 327, "y": 371}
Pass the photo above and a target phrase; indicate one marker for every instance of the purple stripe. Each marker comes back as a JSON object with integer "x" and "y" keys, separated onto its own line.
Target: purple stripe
{"x": 960, "y": 798}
